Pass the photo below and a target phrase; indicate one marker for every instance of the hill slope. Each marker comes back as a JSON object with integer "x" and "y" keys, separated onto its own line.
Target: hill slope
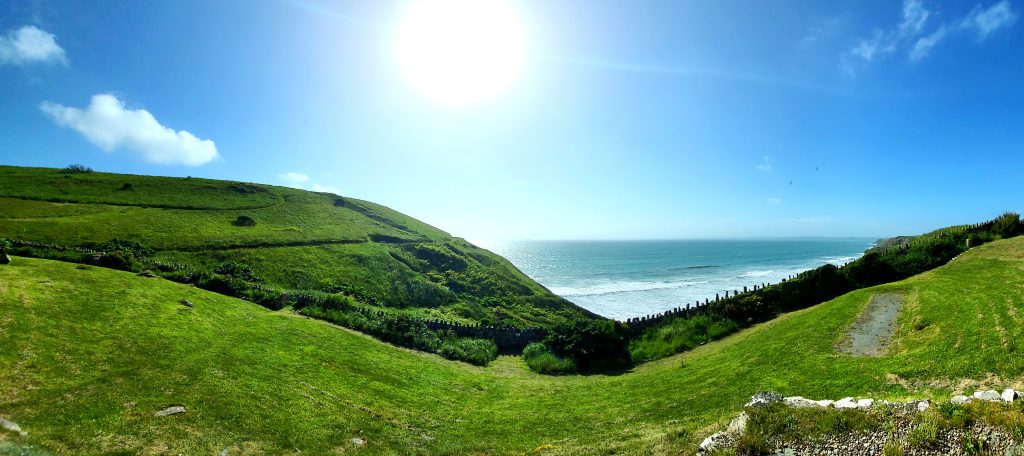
{"x": 300, "y": 241}
{"x": 91, "y": 353}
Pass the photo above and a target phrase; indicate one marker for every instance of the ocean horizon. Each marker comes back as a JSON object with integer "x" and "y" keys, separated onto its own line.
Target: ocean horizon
{"x": 626, "y": 279}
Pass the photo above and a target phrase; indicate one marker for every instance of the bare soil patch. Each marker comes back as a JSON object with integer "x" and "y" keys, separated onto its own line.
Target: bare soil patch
{"x": 871, "y": 334}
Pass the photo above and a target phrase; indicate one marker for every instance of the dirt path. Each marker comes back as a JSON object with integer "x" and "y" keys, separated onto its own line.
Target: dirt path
{"x": 871, "y": 334}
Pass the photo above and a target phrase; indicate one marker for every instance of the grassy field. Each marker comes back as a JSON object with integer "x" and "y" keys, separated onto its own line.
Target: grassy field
{"x": 301, "y": 241}
{"x": 91, "y": 353}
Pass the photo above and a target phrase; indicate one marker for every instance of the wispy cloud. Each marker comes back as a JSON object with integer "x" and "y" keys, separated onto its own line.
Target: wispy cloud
{"x": 108, "y": 124}
{"x": 766, "y": 165}
{"x": 912, "y": 36}
{"x": 303, "y": 182}
{"x": 29, "y": 44}
{"x": 925, "y": 44}
{"x": 294, "y": 179}
{"x": 985, "y": 21}
{"x": 774, "y": 201}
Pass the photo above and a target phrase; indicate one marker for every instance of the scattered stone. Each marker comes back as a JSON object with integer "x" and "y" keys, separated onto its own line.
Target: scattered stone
{"x": 846, "y": 403}
{"x": 764, "y": 398}
{"x": 12, "y": 426}
{"x": 4, "y": 259}
{"x": 358, "y": 441}
{"x": 990, "y": 395}
{"x": 825, "y": 403}
{"x": 738, "y": 424}
{"x": 186, "y": 303}
{"x": 960, "y": 399}
{"x": 714, "y": 442}
{"x": 147, "y": 273}
{"x": 865, "y": 403}
{"x": 170, "y": 411}
{"x": 923, "y": 406}
{"x": 800, "y": 402}
{"x": 1009, "y": 395}
{"x": 224, "y": 452}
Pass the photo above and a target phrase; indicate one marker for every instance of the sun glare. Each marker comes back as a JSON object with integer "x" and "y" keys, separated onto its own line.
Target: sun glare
{"x": 460, "y": 52}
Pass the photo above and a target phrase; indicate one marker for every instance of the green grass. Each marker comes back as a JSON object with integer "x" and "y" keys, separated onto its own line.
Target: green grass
{"x": 90, "y": 353}
{"x": 301, "y": 241}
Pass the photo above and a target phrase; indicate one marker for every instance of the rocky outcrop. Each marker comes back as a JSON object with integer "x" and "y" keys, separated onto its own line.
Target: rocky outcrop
{"x": 871, "y": 443}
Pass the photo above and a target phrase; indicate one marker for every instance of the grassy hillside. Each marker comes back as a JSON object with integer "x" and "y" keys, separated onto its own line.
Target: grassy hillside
{"x": 91, "y": 353}
{"x": 300, "y": 241}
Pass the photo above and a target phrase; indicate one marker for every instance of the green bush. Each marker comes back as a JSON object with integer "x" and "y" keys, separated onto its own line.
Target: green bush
{"x": 76, "y": 169}
{"x": 237, "y": 270}
{"x": 593, "y": 345}
{"x": 5, "y": 245}
{"x": 473, "y": 351}
{"x": 1007, "y": 225}
{"x": 540, "y": 359}
{"x": 244, "y": 220}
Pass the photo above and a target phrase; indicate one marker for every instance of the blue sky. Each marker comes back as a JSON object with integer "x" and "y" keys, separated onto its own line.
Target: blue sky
{"x": 627, "y": 120}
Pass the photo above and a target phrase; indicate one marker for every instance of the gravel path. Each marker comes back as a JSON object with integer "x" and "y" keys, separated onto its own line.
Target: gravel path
{"x": 871, "y": 334}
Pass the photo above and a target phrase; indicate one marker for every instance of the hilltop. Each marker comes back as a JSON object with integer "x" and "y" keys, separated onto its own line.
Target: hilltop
{"x": 270, "y": 243}
{"x": 93, "y": 353}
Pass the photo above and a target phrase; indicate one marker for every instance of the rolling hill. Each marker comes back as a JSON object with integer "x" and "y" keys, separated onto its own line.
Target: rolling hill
{"x": 283, "y": 239}
{"x": 92, "y": 353}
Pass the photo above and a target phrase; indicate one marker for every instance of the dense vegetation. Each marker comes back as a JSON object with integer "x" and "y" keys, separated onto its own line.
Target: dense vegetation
{"x": 279, "y": 247}
{"x": 90, "y": 353}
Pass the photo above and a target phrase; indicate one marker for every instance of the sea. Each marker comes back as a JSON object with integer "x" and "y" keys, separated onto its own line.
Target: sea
{"x": 624, "y": 279}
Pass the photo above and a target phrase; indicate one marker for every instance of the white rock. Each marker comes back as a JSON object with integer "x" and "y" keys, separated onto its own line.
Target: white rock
{"x": 990, "y": 395}
{"x": 800, "y": 402}
{"x": 846, "y": 403}
{"x": 1009, "y": 395}
{"x": 764, "y": 398}
{"x": 714, "y": 442}
{"x": 960, "y": 399}
{"x": 825, "y": 403}
{"x": 738, "y": 424}
{"x": 170, "y": 411}
{"x": 923, "y": 406}
{"x": 12, "y": 426}
{"x": 865, "y": 403}
{"x": 358, "y": 441}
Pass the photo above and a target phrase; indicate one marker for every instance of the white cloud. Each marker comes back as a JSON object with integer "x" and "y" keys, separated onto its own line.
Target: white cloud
{"x": 775, "y": 201}
{"x": 867, "y": 48}
{"x": 30, "y": 45}
{"x": 108, "y": 124}
{"x": 925, "y": 44}
{"x": 915, "y": 16}
{"x": 986, "y": 21}
{"x": 911, "y": 35}
{"x": 294, "y": 179}
{"x": 324, "y": 188}
{"x": 300, "y": 181}
{"x": 766, "y": 164}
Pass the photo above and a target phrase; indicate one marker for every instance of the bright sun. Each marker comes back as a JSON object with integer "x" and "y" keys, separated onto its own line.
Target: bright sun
{"x": 460, "y": 52}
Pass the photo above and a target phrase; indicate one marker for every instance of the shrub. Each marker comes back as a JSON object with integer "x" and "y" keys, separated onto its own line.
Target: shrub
{"x": 473, "y": 351}
{"x": 592, "y": 344}
{"x": 127, "y": 187}
{"x": 926, "y": 432}
{"x": 5, "y": 245}
{"x": 77, "y": 169}
{"x": 244, "y": 220}
{"x": 540, "y": 359}
{"x": 1007, "y": 225}
{"x": 117, "y": 260}
{"x": 237, "y": 270}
